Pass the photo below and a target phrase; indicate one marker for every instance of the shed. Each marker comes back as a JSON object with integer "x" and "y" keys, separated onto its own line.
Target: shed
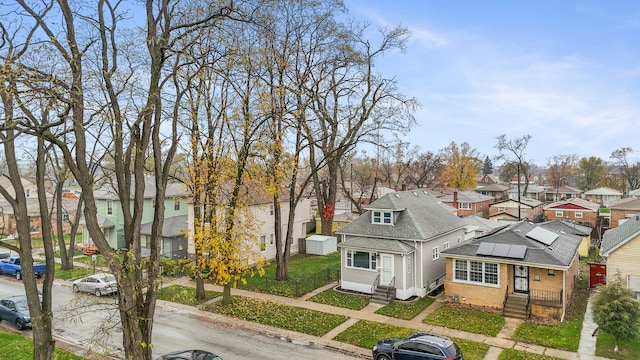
{"x": 321, "y": 244}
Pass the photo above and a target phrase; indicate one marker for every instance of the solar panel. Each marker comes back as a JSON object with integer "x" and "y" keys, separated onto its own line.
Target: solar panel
{"x": 517, "y": 251}
{"x": 485, "y": 249}
{"x": 542, "y": 235}
{"x": 502, "y": 250}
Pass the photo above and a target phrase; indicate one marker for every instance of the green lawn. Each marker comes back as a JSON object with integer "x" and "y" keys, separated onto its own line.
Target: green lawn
{"x": 466, "y": 320}
{"x": 404, "y": 309}
{"x": 185, "y": 295}
{"x": 366, "y": 333}
{"x": 19, "y": 347}
{"x": 293, "y": 318}
{"x": 626, "y": 349}
{"x": 76, "y": 273}
{"x": 341, "y": 299}
{"x": 512, "y": 354}
{"x": 306, "y": 273}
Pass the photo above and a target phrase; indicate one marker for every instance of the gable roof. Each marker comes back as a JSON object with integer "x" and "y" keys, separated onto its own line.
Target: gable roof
{"x": 110, "y": 191}
{"x": 632, "y": 203}
{"x": 466, "y": 197}
{"x": 585, "y": 204}
{"x": 620, "y": 235}
{"x": 603, "y": 191}
{"x": 484, "y": 225}
{"x": 523, "y": 201}
{"x": 416, "y": 216}
{"x": 564, "y": 189}
{"x": 494, "y": 188}
{"x": 171, "y": 227}
{"x": 558, "y": 252}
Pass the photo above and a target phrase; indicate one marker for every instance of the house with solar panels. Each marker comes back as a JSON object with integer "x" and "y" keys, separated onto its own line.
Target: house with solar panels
{"x": 522, "y": 270}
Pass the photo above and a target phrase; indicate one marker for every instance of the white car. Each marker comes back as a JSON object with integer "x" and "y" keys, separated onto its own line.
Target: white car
{"x": 97, "y": 284}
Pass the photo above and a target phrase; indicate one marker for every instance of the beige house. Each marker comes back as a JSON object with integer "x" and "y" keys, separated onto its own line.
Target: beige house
{"x": 603, "y": 196}
{"x": 524, "y": 269}
{"x": 623, "y": 210}
{"x": 530, "y": 210}
{"x": 621, "y": 250}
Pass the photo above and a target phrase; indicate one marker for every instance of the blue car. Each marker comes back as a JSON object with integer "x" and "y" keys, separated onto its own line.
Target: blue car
{"x": 15, "y": 310}
{"x": 190, "y": 355}
{"x": 419, "y": 346}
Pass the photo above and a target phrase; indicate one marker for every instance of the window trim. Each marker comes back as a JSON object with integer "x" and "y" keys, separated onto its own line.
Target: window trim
{"x": 464, "y": 206}
{"x": 559, "y": 213}
{"x": 435, "y": 253}
{"x": 349, "y": 260}
{"x": 467, "y": 271}
{"x": 578, "y": 214}
{"x": 381, "y": 217}
{"x": 109, "y": 207}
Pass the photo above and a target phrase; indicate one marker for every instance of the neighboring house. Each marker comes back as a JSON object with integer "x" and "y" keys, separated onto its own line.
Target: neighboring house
{"x": 395, "y": 245}
{"x": 522, "y": 269}
{"x": 621, "y": 250}
{"x": 173, "y": 243}
{"x": 635, "y": 192}
{"x": 572, "y": 228}
{"x": 603, "y": 196}
{"x": 622, "y": 210}
{"x": 468, "y": 202}
{"x": 340, "y": 220}
{"x": 530, "y": 210}
{"x": 111, "y": 218}
{"x": 497, "y": 191}
{"x": 561, "y": 193}
{"x": 7, "y": 216}
{"x": 477, "y": 226}
{"x": 488, "y": 179}
{"x": 263, "y": 212}
{"x": 534, "y": 192}
{"x": 581, "y": 211}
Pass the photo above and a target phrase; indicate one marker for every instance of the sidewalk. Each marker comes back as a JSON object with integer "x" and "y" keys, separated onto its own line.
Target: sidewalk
{"x": 503, "y": 340}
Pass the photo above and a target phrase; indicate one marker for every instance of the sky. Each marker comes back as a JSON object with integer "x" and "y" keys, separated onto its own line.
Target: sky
{"x": 565, "y": 72}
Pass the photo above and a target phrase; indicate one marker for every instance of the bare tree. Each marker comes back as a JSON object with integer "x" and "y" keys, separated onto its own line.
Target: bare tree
{"x": 513, "y": 150}
{"x": 630, "y": 171}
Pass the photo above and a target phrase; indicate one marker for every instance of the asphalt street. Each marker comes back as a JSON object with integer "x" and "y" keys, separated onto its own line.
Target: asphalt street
{"x": 78, "y": 316}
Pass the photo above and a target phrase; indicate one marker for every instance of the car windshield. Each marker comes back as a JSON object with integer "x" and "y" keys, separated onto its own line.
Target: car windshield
{"x": 454, "y": 350}
{"x": 21, "y": 305}
{"x": 109, "y": 278}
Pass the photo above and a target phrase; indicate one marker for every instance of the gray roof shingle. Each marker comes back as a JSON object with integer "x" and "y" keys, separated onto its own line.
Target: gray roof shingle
{"x": 417, "y": 216}
{"x": 620, "y": 235}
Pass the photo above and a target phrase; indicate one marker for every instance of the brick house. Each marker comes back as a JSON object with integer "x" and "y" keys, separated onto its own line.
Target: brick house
{"x": 622, "y": 210}
{"x": 562, "y": 192}
{"x": 580, "y": 211}
{"x": 497, "y": 191}
{"x": 530, "y": 210}
{"x": 468, "y": 202}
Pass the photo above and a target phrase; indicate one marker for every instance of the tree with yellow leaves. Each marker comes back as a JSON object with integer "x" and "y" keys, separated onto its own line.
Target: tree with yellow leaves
{"x": 461, "y": 165}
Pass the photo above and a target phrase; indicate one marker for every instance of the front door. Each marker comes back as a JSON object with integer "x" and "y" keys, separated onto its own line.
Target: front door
{"x": 521, "y": 279}
{"x": 386, "y": 269}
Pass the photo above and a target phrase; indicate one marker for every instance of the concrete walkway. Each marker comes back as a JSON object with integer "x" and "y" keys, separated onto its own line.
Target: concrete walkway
{"x": 496, "y": 344}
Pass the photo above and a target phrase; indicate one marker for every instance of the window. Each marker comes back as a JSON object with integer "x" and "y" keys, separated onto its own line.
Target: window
{"x": 176, "y": 204}
{"x": 476, "y": 272}
{"x": 559, "y": 213}
{"x": 109, "y": 207}
{"x": 445, "y": 246}
{"x": 27, "y": 193}
{"x": 263, "y": 243}
{"x": 435, "y": 253}
{"x": 361, "y": 259}
{"x": 578, "y": 215}
{"x": 271, "y": 240}
{"x": 381, "y": 217}
{"x": 271, "y": 209}
{"x": 464, "y": 206}
{"x": 501, "y": 209}
{"x": 551, "y": 272}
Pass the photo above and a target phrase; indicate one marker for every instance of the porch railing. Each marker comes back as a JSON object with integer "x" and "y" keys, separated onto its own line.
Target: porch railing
{"x": 376, "y": 282}
{"x": 506, "y": 296}
{"x": 546, "y": 297}
{"x": 392, "y": 286}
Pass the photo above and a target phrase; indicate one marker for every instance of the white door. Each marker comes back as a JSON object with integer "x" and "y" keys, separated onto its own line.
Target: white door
{"x": 386, "y": 269}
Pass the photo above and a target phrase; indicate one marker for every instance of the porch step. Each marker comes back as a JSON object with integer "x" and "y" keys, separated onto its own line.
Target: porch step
{"x": 379, "y": 295}
{"x": 515, "y": 307}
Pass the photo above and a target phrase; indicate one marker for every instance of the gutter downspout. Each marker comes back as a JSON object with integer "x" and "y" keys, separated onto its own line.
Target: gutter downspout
{"x": 415, "y": 273}
{"x": 564, "y": 294}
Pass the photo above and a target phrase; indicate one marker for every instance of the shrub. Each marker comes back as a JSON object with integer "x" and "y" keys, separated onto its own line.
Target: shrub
{"x": 189, "y": 270}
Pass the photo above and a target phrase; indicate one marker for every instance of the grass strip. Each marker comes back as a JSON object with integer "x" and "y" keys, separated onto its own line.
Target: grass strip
{"x": 185, "y": 295}
{"x": 341, "y": 299}
{"x": 282, "y": 316}
{"x": 466, "y": 320}
{"x": 405, "y": 310}
{"x": 512, "y": 354}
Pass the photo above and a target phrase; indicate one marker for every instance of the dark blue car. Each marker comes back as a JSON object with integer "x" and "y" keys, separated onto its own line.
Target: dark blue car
{"x": 15, "y": 310}
{"x": 418, "y": 346}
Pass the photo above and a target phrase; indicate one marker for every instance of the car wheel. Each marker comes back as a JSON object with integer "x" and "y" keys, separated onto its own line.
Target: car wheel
{"x": 383, "y": 357}
{"x": 75, "y": 288}
{"x": 19, "y": 324}
{"x": 97, "y": 292}
{"x": 19, "y": 275}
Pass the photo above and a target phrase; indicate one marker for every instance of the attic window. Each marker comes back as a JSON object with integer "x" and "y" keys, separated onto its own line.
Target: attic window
{"x": 382, "y": 217}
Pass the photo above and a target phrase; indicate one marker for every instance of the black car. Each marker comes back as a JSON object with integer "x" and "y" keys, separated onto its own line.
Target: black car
{"x": 190, "y": 355}
{"x": 418, "y": 347}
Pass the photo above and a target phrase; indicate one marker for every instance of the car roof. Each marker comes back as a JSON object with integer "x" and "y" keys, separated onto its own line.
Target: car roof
{"x": 16, "y": 297}
{"x": 434, "y": 339}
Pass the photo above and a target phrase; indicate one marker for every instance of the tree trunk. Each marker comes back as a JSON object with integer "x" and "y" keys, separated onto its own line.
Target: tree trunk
{"x": 226, "y": 294}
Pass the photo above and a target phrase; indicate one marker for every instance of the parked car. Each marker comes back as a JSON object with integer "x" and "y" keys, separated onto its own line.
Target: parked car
{"x": 15, "y": 310}
{"x": 190, "y": 355}
{"x": 11, "y": 265}
{"x": 418, "y": 346}
{"x": 97, "y": 284}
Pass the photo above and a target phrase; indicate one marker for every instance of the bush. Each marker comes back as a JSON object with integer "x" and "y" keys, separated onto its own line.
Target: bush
{"x": 170, "y": 267}
{"x": 189, "y": 270}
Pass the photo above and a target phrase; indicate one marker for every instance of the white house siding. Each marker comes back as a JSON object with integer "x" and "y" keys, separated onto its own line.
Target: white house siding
{"x": 265, "y": 218}
{"x": 354, "y": 279}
